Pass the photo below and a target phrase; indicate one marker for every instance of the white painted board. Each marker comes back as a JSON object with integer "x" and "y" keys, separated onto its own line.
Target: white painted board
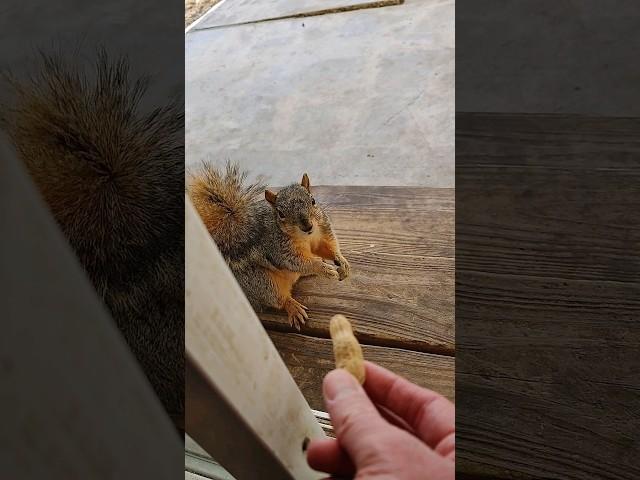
{"x": 243, "y": 407}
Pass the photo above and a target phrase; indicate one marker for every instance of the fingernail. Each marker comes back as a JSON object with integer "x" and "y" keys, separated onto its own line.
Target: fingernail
{"x": 339, "y": 382}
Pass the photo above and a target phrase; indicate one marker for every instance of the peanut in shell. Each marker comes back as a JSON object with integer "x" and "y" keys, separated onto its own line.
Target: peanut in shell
{"x": 346, "y": 349}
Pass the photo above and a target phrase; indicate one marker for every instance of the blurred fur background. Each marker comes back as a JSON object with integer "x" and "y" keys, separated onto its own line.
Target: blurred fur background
{"x": 113, "y": 177}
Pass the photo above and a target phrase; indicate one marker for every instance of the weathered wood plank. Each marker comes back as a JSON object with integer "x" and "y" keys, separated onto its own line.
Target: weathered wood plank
{"x": 400, "y": 243}
{"x": 309, "y": 359}
{"x": 237, "y": 386}
{"x": 547, "y": 296}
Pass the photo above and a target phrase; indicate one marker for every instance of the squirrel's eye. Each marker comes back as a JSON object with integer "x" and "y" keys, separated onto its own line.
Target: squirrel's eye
{"x": 313, "y": 201}
{"x": 280, "y": 214}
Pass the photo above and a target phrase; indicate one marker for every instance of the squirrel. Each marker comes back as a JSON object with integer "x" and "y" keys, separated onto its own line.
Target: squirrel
{"x": 270, "y": 242}
{"x": 113, "y": 178}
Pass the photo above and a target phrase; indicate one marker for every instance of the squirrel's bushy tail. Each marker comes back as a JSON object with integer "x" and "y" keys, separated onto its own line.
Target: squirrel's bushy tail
{"x": 225, "y": 202}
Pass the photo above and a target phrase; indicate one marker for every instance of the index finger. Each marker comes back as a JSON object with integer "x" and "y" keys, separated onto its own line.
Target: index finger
{"x": 430, "y": 415}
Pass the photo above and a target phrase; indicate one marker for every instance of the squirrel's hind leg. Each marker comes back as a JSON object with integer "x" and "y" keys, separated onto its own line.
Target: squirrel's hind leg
{"x": 269, "y": 288}
{"x": 282, "y": 282}
{"x": 296, "y": 312}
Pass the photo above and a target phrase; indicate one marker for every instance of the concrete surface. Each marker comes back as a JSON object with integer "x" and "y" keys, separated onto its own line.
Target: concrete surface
{"x": 241, "y": 11}
{"x": 353, "y": 98}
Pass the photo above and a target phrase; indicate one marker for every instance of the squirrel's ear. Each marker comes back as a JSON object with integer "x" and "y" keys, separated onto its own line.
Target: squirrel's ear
{"x": 270, "y": 197}
{"x": 305, "y": 182}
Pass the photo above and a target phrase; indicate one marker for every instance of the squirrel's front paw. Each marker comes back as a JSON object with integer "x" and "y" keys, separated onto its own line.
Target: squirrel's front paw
{"x": 330, "y": 271}
{"x": 344, "y": 269}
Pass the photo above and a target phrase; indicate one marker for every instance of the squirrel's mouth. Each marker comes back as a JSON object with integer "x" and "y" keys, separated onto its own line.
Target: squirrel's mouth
{"x": 308, "y": 225}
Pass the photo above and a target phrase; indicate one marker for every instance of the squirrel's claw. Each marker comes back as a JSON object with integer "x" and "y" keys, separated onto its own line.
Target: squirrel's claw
{"x": 297, "y": 320}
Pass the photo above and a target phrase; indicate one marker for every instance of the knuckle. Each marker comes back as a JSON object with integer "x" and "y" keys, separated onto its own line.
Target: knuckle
{"x": 351, "y": 423}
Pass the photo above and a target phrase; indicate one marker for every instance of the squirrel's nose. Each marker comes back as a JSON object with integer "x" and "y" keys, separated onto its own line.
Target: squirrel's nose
{"x": 306, "y": 228}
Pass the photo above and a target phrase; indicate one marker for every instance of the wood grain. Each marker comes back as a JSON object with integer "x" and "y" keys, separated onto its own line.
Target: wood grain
{"x": 400, "y": 243}
{"x": 547, "y": 296}
{"x": 309, "y": 359}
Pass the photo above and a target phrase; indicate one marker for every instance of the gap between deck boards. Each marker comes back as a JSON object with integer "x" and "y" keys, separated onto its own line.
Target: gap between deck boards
{"x": 309, "y": 359}
{"x": 364, "y": 339}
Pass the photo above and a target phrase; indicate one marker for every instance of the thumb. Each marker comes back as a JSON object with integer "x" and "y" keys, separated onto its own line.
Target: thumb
{"x": 355, "y": 419}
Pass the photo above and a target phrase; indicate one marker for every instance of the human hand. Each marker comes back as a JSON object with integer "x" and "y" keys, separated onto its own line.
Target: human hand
{"x": 411, "y": 435}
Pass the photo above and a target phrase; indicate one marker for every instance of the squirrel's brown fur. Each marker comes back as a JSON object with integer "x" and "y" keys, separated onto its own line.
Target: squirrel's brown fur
{"x": 268, "y": 243}
{"x": 112, "y": 178}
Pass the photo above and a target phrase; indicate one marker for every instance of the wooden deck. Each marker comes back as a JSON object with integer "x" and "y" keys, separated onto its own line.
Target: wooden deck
{"x": 400, "y": 296}
{"x": 547, "y": 296}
